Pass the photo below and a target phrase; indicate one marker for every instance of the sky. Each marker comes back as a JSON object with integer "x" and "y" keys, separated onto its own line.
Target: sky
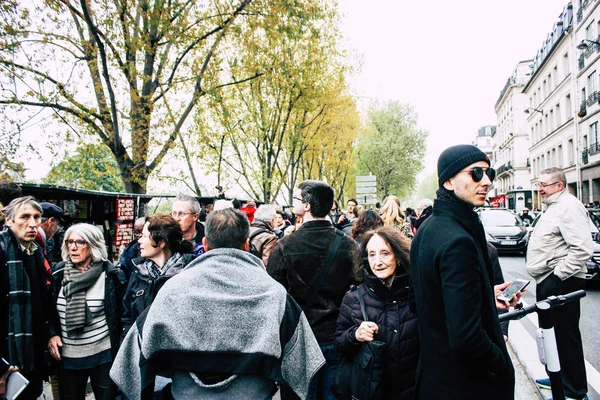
{"x": 448, "y": 59}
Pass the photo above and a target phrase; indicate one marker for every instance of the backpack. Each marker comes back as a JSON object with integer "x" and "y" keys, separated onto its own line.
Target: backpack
{"x": 253, "y": 249}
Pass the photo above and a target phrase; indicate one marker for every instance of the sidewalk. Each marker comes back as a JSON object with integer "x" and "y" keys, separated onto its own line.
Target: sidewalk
{"x": 525, "y": 388}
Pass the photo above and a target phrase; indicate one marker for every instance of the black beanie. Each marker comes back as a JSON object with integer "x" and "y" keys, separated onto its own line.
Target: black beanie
{"x": 454, "y": 159}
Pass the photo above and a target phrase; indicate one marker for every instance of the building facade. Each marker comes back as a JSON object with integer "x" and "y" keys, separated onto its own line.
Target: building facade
{"x": 586, "y": 34}
{"x": 511, "y": 141}
{"x": 552, "y": 98}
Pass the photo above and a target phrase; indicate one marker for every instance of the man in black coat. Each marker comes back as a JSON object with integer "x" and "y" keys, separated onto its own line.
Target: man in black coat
{"x": 463, "y": 354}
{"x": 295, "y": 262}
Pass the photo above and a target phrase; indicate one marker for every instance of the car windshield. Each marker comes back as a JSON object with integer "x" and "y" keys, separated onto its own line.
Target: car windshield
{"x": 499, "y": 218}
{"x": 595, "y": 217}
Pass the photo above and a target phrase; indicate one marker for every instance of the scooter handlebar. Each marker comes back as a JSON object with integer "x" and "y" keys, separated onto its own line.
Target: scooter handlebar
{"x": 553, "y": 301}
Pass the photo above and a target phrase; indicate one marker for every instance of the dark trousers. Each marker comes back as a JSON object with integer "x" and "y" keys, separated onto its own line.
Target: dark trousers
{"x": 568, "y": 336}
{"x": 73, "y": 383}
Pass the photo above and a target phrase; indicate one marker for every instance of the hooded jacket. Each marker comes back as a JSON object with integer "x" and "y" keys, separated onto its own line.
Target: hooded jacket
{"x": 142, "y": 289}
{"x": 388, "y": 308}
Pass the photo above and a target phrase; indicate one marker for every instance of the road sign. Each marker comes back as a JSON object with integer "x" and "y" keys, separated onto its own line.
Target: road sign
{"x": 366, "y": 189}
{"x": 364, "y": 199}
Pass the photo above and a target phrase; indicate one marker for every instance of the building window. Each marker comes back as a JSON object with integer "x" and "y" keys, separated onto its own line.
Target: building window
{"x": 560, "y": 156}
{"x": 566, "y": 66}
{"x": 592, "y": 83}
{"x": 571, "y": 152}
{"x": 558, "y": 115}
{"x": 568, "y": 105}
{"x": 594, "y": 133}
{"x": 590, "y": 31}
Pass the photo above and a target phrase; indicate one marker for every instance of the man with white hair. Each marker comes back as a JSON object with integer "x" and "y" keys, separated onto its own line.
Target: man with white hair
{"x": 186, "y": 211}
{"x": 262, "y": 237}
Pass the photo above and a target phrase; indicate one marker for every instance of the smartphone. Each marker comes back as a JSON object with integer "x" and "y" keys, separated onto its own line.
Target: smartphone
{"x": 512, "y": 289}
{"x": 15, "y": 383}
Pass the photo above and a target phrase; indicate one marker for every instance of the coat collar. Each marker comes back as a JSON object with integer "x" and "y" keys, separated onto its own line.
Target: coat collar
{"x": 373, "y": 284}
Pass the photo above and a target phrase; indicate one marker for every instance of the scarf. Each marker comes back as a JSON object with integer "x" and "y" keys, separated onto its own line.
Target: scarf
{"x": 155, "y": 272}
{"x": 472, "y": 224}
{"x": 75, "y": 284}
{"x": 20, "y": 322}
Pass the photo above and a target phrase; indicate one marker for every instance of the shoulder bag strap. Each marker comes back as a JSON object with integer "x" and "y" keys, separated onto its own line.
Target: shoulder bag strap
{"x": 361, "y": 301}
{"x": 324, "y": 270}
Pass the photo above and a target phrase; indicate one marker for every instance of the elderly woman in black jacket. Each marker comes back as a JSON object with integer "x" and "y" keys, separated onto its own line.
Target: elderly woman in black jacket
{"x": 385, "y": 270}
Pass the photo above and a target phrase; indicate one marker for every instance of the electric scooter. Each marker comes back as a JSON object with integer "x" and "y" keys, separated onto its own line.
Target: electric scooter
{"x": 546, "y": 339}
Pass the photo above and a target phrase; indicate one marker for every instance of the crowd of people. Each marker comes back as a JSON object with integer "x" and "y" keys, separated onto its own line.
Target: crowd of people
{"x": 235, "y": 301}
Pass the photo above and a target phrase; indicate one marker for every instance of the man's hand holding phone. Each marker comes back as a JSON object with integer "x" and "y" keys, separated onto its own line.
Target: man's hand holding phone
{"x": 508, "y": 294}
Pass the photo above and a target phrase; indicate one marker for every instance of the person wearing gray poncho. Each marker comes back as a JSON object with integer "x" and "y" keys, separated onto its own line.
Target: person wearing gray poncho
{"x": 221, "y": 329}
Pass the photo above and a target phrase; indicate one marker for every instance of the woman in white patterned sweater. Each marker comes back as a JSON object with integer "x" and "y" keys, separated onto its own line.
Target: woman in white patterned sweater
{"x": 87, "y": 289}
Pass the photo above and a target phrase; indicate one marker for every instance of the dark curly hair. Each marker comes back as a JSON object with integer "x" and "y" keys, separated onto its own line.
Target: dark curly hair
{"x": 163, "y": 227}
{"x": 367, "y": 221}
{"x": 399, "y": 244}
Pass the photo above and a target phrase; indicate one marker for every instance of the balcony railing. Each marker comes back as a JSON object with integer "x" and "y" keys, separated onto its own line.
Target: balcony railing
{"x": 592, "y": 98}
{"x": 581, "y": 61}
{"x": 582, "y": 110}
{"x": 584, "y": 156}
{"x": 594, "y": 149}
{"x": 504, "y": 168}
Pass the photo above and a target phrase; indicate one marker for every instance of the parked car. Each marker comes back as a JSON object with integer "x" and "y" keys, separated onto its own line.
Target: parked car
{"x": 504, "y": 229}
{"x": 593, "y": 264}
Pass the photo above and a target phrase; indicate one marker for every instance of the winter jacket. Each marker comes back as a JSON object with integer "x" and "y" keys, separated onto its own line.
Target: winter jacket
{"x": 388, "y": 308}
{"x": 561, "y": 242}
{"x": 142, "y": 289}
{"x": 114, "y": 289}
{"x": 131, "y": 252}
{"x": 264, "y": 242}
{"x": 296, "y": 260}
{"x": 463, "y": 353}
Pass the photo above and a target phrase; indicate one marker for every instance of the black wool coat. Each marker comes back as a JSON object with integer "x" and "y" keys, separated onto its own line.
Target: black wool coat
{"x": 388, "y": 308}
{"x": 463, "y": 354}
{"x": 295, "y": 261}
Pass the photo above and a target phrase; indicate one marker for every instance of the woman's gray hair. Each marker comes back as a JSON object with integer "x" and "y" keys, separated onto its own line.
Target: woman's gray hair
{"x": 11, "y": 209}
{"x": 93, "y": 237}
{"x": 265, "y": 212}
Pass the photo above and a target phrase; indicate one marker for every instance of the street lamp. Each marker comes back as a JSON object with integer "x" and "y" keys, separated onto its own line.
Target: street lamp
{"x": 584, "y": 46}
{"x": 533, "y": 109}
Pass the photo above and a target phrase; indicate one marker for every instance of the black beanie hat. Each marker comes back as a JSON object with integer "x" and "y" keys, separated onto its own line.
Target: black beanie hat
{"x": 454, "y": 159}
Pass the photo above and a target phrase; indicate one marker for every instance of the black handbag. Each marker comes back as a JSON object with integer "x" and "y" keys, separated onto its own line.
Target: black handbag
{"x": 361, "y": 377}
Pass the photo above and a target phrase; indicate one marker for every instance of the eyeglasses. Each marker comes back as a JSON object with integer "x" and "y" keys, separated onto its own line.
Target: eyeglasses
{"x": 545, "y": 185}
{"x": 178, "y": 214}
{"x": 78, "y": 243}
{"x": 299, "y": 199}
{"x": 477, "y": 173}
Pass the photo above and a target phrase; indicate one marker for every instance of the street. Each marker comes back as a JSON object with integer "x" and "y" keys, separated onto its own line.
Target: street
{"x": 522, "y": 333}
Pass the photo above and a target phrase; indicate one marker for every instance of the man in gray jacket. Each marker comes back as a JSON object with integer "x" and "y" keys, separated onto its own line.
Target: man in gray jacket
{"x": 558, "y": 250}
{"x": 221, "y": 329}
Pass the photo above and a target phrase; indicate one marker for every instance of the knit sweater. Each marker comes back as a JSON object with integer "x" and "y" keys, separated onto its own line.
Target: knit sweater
{"x": 223, "y": 315}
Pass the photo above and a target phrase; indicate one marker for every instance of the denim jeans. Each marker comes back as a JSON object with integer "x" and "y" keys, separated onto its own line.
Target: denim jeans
{"x": 320, "y": 386}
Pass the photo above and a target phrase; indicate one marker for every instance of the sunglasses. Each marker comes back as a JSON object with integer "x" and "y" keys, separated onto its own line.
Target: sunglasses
{"x": 477, "y": 173}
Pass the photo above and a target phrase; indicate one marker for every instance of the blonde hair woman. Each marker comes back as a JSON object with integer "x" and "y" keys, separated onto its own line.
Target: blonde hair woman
{"x": 392, "y": 215}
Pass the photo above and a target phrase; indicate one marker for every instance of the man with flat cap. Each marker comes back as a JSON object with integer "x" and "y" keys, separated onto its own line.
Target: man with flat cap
{"x": 463, "y": 354}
